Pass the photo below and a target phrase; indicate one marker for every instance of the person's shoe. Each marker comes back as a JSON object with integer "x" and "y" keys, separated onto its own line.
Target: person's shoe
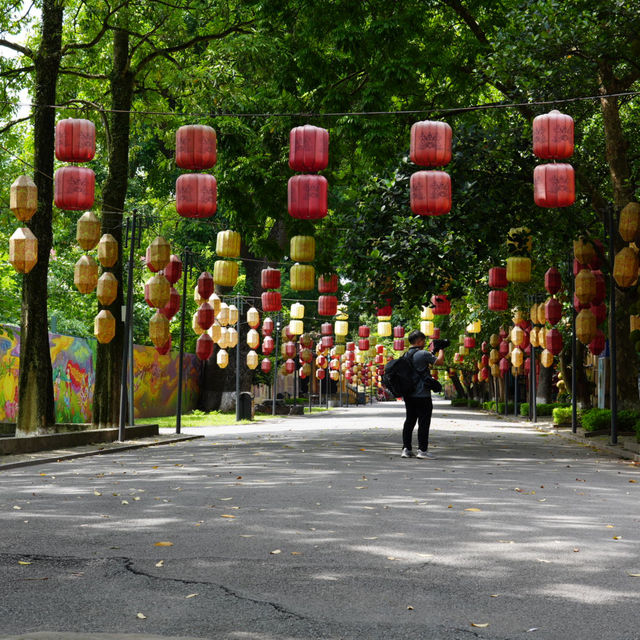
{"x": 424, "y": 454}
{"x": 407, "y": 453}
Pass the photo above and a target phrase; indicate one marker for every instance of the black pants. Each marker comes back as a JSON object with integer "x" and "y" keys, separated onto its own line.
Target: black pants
{"x": 418, "y": 409}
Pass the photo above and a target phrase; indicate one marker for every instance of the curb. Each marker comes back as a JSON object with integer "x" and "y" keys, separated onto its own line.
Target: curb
{"x": 48, "y": 457}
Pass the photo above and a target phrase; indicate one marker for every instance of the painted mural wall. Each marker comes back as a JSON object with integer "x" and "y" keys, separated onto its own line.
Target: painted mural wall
{"x": 155, "y": 379}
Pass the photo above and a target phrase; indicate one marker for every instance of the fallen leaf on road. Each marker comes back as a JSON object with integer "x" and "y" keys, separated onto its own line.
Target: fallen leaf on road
{"x": 506, "y": 541}
{"x": 164, "y": 543}
{"x": 371, "y": 538}
{"x": 426, "y": 555}
{"x": 542, "y": 560}
{"x": 474, "y": 509}
{"x": 634, "y": 575}
{"x": 610, "y": 526}
{"x": 409, "y": 608}
{"x": 191, "y": 595}
{"x": 390, "y": 558}
{"x": 494, "y": 595}
{"x": 17, "y": 508}
{"x": 275, "y": 552}
{"x": 141, "y": 616}
{"x": 226, "y": 515}
{"x": 296, "y": 553}
{"x": 617, "y": 537}
{"x": 480, "y": 625}
{"x": 97, "y": 493}
{"x": 576, "y": 550}
{"x": 160, "y": 564}
{"x": 22, "y": 562}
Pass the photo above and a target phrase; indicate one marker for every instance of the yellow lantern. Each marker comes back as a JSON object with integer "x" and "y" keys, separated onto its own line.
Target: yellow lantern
{"x": 339, "y": 349}
{"x": 629, "y": 224}
{"x": 159, "y": 329}
{"x": 297, "y": 311}
{"x": 518, "y": 317}
{"x": 195, "y": 325}
{"x": 542, "y": 314}
{"x": 214, "y": 301}
{"x": 427, "y": 314}
{"x": 341, "y": 327}
{"x": 253, "y": 317}
{"x": 23, "y": 250}
{"x": 384, "y": 329}
{"x": 214, "y": 331}
{"x": 583, "y": 251}
{"x": 586, "y": 326}
{"x": 197, "y": 297}
{"x": 253, "y": 359}
{"x": 625, "y": 267}
{"x": 302, "y": 277}
{"x": 518, "y": 269}
{"x": 542, "y": 337}
{"x": 107, "y": 250}
{"x": 158, "y": 253}
{"x": 88, "y": 231}
{"x": 296, "y": 327}
{"x": 85, "y": 274}
{"x": 302, "y": 248}
{"x": 463, "y": 351}
{"x": 157, "y": 292}
{"x": 475, "y": 327}
{"x": 104, "y": 327}
{"x": 585, "y": 286}
{"x": 233, "y": 314}
{"x": 306, "y": 369}
{"x": 517, "y": 336}
{"x": 223, "y": 340}
{"x": 533, "y": 313}
{"x": 222, "y": 358}
{"x": 634, "y": 323}
{"x": 546, "y": 359}
{"x": 426, "y": 326}
{"x": 107, "y": 289}
{"x": 228, "y": 244}
{"x": 494, "y": 340}
{"x": 223, "y": 314}
{"x": 225, "y": 273}
{"x": 253, "y": 338}
{"x": 23, "y": 198}
{"x": 517, "y": 357}
{"x": 533, "y": 337}
{"x": 494, "y": 356}
{"x": 334, "y": 375}
{"x": 232, "y": 338}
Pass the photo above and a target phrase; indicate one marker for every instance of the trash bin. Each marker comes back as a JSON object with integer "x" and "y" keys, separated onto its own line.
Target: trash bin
{"x": 245, "y": 406}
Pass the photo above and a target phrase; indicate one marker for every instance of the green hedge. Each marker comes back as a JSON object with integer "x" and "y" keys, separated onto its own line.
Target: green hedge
{"x": 464, "y": 402}
{"x": 541, "y": 409}
{"x": 595, "y": 419}
{"x": 562, "y": 415}
{"x": 636, "y": 426}
{"x": 491, "y": 406}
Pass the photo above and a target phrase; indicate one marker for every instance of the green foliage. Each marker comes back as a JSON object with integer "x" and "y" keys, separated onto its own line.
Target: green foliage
{"x": 542, "y": 409}
{"x": 595, "y": 419}
{"x": 465, "y": 402}
{"x": 562, "y": 415}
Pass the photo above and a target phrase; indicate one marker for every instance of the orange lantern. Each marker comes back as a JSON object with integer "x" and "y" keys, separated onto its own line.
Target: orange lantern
{"x": 586, "y": 326}
{"x": 88, "y": 230}
{"x": 585, "y": 286}
{"x": 629, "y": 224}
{"x": 225, "y": 273}
{"x": 104, "y": 327}
{"x": 23, "y": 250}
{"x": 23, "y": 198}
{"x": 228, "y": 244}
{"x": 625, "y": 267}
{"x": 107, "y": 288}
{"x": 107, "y": 250}
{"x": 159, "y": 254}
{"x": 85, "y": 274}
{"x": 159, "y": 329}
{"x": 157, "y": 291}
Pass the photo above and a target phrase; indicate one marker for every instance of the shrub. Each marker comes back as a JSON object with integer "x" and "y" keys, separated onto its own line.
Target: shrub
{"x": 464, "y": 402}
{"x": 595, "y": 419}
{"x": 473, "y": 403}
{"x": 543, "y": 409}
{"x": 524, "y": 409}
{"x": 627, "y": 419}
{"x": 636, "y": 426}
{"x": 562, "y": 415}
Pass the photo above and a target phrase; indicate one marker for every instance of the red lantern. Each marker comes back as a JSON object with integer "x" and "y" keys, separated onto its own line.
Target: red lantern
{"x": 270, "y": 278}
{"x": 469, "y": 342}
{"x": 503, "y": 349}
{"x": 430, "y": 143}
{"x": 552, "y": 311}
{"x": 552, "y": 281}
{"x": 328, "y": 285}
{"x": 498, "y": 278}
{"x": 289, "y": 349}
{"x": 164, "y": 349}
{"x": 268, "y": 345}
{"x": 601, "y": 288}
{"x": 351, "y": 346}
{"x": 173, "y": 270}
{"x": 600, "y": 312}
{"x": 504, "y": 365}
{"x": 398, "y": 332}
{"x": 307, "y": 197}
{"x": 320, "y": 374}
{"x": 172, "y": 307}
{"x": 578, "y": 266}
{"x": 305, "y": 355}
{"x": 204, "y": 347}
{"x": 289, "y": 366}
{"x": 196, "y": 195}
{"x": 196, "y": 147}
{"x": 267, "y": 327}
{"x": 441, "y": 305}
{"x": 579, "y": 306}
{"x": 363, "y": 344}
{"x": 597, "y": 345}
{"x": 554, "y": 185}
{"x": 308, "y": 148}
{"x": 436, "y": 334}
{"x": 430, "y": 193}
{"x": 326, "y": 329}
{"x": 265, "y": 364}
{"x": 554, "y": 341}
{"x": 205, "y": 285}
{"x": 498, "y": 300}
{"x": 485, "y": 360}
{"x": 205, "y": 315}
{"x": 271, "y": 301}
{"x": 553, "y": 136}
{"x": 484, "y": 347}
{"x": 327, "y": 342}
{"x": 74, "y": 188}
{"x": 398, "y": 344}
{"x": 327, "y": 305}
{"x": 75, "y": 140}
{"x": 364, "y": 331}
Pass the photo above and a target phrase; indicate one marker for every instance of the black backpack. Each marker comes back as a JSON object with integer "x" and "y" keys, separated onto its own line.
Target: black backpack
{"x": 399, "y": 377}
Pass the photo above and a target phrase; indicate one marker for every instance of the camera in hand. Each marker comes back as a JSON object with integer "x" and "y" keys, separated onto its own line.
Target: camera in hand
{"x": 440, "y": 343}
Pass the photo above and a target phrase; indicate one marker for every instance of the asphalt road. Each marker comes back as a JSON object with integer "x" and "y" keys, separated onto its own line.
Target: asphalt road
{"x": 315, "y": 528}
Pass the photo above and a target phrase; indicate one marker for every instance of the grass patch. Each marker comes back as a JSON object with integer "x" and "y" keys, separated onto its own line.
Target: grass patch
{"x": 201, "y": 419}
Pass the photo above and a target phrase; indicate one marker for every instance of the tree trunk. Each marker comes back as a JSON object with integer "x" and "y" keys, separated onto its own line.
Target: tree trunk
{"x": 106, "y": 398}
{"x": 36, "y": 411}
{"x": 544, "y": 391}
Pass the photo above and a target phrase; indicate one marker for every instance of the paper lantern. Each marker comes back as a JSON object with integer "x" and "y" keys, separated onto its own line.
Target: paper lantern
{"x": 469, "y": 342}
{"x": 270, "y": 278}
{"x": 253, "y": 317}
{"x": 88, "y": 231}
{"x": 326, "y": 329}
{"x": 553, "y": 311}
{"x": 498, "y": 278}
{"x": 172, "y": 307}
{"x": 321, "y": 374}
{"x": 398, "y": 344}
{"x": 305, "y": 355}
{"x": 173, "y": 269}
{"x": 297, "y": 311}
{"x": 546, "y": 359}
{"x": 252, "y": 360}
{"x": 107, "y": 250}
{"x": 553, "y": 136}
{"x": 308, "y": 149}
{"x": 427, "y": 313}
{"x": 517, "y": 336}
{"x": 196, "y": 195}
{"x": 498, "y": 300}
{"x": 384, "y": 329}
{"x": 363, "y": 344}
{"x": 225, "y": 273}
{"x": 307, "y": 197}
{"x": 552, "y": 280}
{"x": 598, "y": 343}
{"x": 494, "y": 356}
{"x": 228, "y": 244}
{"x": 271, "y": 301}
{"x": 265, "y": 365}
{"x": 441, "y": 305}
{"x": 533, "y": 337}
{"x": 328, "y": 284}
{"x": 494, "y": 340}
{"x": 222, "y": 358}
{"x": 159, "y": 329}
{"x": 234, "y": 314}
{"x": 107, "y": 288}
{"x": 629, "y": 223}
{"x": 600, "y": 312}
{"x": 364, "y": 331}
{"x": 518, "y": 269}
{"x": 341, "y": 328}
{"x": 296, "y": 327}
{"x": 542, "y": 314}
{"x": 205, "y": 315}
{"x": 334, "y": 375}
{"x": 104, "y": 327}
{"x": 426, "y": 327}
{"x": 75, "y": 140}
{"x": 85, "y": 274}
{"x": 554, "y": 185}
{"x": 327, "y": 305}
{"x": 384, "y": 313}
{"x": 542, "y": 337}
{"x": 430, "y": 193}
{"x": 583, "y": 251}
{"x": 253, "y": 339}
{"x": 302, "y": 277}
{"x": 268, "y": 345}
{"x": 197, "y": 329}
{"x": 196, "y": 147}
{"x": 232, "y": 338}
{"x": 625, "y": 267}
{"x": 398, "y": 332}
{"x": 205, "y": 286}
{"x": 553, "y": 341}
{"x": 23, "y": 250}
{"x": 74, "y": 188}
{"x": 305, "y": 370}
{"x": 214, "y": 331}
{"x": 586, "y": 326}
{"x": 289, "y": 366}
{"x": 267, "y": 327}
{"x": 302, "y": 248}
{"x": 601, "y": 287}
{"x": 430, "y": 143}
{"x": 517, "y": 357}
{"x": 223, "y": 314}
{"x": 157, "y": 291}
{"x": 504, "y": 366}
{"x": 158, "y": 255}
{"x": 585, "y": 286}
{"x": 463, "y": 351}
{"x": 23, "y": 198}
{"x": 165, "y": 348}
